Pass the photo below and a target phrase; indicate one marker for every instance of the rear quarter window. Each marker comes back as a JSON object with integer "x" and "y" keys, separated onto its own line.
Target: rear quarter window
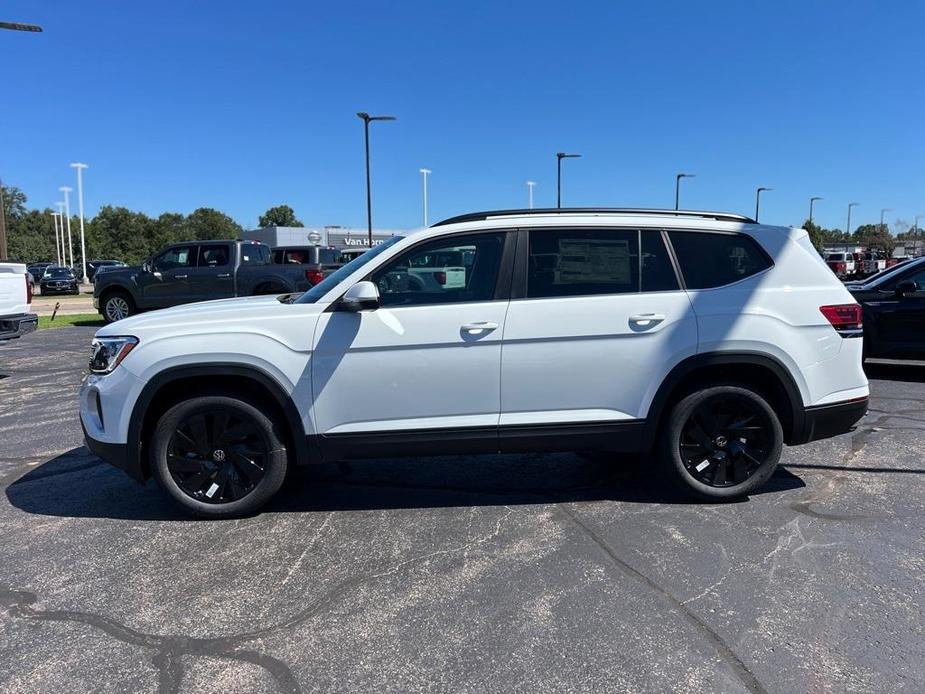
{"x": 710, "y": 260}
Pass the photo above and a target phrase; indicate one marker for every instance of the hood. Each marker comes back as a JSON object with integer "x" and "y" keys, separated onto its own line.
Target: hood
{"x": 113, "y": 272}
{"x": 241, "y": 315}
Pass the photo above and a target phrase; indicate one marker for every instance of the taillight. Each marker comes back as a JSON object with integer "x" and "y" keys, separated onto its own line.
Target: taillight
{"x": 314, "y": 276}
{"x": 440, "y": 275}
{"x": 841, "y": 267}
{"x": 28, "y": 290}
{"x": 847, "y": 319}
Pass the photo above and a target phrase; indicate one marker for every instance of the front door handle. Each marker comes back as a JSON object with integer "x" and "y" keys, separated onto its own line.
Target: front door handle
{"x": 224, "y": 275}
{"x": 647, "y": 320}
{"x": 479, "y": 328}
{"x": 180, "y": 277}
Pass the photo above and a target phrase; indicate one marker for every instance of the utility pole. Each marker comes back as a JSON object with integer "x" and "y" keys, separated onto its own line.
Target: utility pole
{"x": 2, "y": 224}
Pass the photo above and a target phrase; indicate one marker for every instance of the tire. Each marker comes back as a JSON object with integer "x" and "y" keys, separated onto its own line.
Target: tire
{"x": 116, "y": 306}
{"x": 734, "y": 434}
{"x": 218, "y": 456}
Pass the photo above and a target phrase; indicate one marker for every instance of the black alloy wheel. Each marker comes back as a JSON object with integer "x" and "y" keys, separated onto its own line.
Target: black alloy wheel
{"x": 721, "y": 442}
{"x": 725, "y": 440}
{"x": 217, "y": 456}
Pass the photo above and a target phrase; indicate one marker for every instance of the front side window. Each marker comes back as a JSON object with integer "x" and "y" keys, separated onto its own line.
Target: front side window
{"x": 173, "y": 258}
{"x": 342, "y": 273}
{"x": 213, "y": 255}
{"x": 450, "y": 270}
{"x": 714, "y": 259}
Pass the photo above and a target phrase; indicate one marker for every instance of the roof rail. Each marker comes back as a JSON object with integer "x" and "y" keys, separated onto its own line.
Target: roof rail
{"x": 480, "y": 216}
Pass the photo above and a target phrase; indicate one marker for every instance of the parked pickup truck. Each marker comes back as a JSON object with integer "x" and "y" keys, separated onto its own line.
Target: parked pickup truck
{"x": 195, "y": 271}
{"x": 317, "y": 261}
{"x": 16, "y": 319}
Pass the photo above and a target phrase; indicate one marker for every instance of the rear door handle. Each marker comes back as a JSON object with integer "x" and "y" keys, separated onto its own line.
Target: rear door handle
{"x": 647, "y": 320}
{"x": 479, "y": 328}
{"x": 223, "y": 276}
{"x": 180, "y": 277}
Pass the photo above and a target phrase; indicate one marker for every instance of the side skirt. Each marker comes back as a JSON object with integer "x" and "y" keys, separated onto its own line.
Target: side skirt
{"x": 623, "y": 436}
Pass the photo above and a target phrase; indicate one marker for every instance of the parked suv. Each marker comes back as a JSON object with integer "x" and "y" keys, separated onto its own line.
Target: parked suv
{"x": 705, "y": 336}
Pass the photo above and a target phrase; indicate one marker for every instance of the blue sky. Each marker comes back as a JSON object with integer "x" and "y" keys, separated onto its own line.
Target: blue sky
{"x": 240, "y": 106}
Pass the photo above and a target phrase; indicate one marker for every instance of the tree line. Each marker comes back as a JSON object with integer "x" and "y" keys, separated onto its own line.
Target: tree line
{"x": 871, "y": 236}
{"x": 119, "y": 233}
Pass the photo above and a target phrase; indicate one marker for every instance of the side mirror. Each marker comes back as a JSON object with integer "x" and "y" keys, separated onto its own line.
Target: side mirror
{"x": 906, "y": 287}
{"x": 363, "y": 296}
{"x": 146, "y": 266}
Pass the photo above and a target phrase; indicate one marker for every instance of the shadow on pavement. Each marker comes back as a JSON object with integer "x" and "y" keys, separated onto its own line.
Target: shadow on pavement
{"x": 910, "y": 373}
{"x": 77, "y": 484}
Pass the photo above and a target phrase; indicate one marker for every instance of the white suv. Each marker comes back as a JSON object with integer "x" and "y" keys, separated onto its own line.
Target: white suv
{"x": 707, "y": 336}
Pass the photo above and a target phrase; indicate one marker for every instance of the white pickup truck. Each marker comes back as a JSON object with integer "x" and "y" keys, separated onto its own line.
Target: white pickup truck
{"x": 16, "y": 318}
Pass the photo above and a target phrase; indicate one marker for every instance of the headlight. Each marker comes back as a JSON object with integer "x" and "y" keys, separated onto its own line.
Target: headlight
{"x": 107, "y": 352}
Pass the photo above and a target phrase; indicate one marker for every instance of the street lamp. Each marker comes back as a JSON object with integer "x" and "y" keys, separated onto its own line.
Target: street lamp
{"x": 530, "y": 185}
{"x": 884, "y": 210}
{"x": 67, "y": 211}
{"x": 54, "y": 219}
{"x": 559, "y": 157}
{"x": 848, "y": 225}
{"x": 758, "y": 200}
{"x": 62, "y": 254}
{"x": 811, "y": 201}
{"x": 80, "y": 205}
{"x": 424, "y": 173}
{"x": 366, "y": 118}
{"x": 915, "y": 232}
{"x": 677, "y": 187}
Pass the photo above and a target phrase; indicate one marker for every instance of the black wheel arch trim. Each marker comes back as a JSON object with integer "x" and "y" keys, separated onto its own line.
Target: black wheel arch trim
{"x": 136, "y": 465}
{"x": 660, "y": 402}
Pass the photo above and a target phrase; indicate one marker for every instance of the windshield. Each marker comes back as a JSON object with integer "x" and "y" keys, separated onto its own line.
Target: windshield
{"x": 57, "y": 272}
{"x": 884, "y": 275}
{"x": 335, "y": 278}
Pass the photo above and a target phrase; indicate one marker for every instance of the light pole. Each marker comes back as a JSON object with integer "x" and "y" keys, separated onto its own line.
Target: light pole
{"x": 848, "y": 225}
{"x": 80, "y": 206}
{"x": 882, "y": 212}
{"x": 366, "y": 118}
{"x": 559, "y": 157}
{"x": 915, "y": 232}
{"x": 530, "y": 186}
{"x": 424, "y": 173}
{"x": 677, "y": 187}
{"x": 63, "y": 252}
{"x": 758, "y": 200}
{"x": 811, "y": 201}
{"x": 54, "y": 218}
{"x": 67, "y": 211}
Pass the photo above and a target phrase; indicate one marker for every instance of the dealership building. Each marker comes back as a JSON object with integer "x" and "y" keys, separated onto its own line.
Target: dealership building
{"x": 328, "y": 236}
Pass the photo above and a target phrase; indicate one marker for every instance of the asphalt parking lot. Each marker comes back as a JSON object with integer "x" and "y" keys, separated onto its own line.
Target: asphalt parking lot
{"x": 507, "y": 573}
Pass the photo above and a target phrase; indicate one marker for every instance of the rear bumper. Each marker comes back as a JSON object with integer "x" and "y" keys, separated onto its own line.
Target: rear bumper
{"x": 18, "y": 325}
{"x": 824, "y": 421}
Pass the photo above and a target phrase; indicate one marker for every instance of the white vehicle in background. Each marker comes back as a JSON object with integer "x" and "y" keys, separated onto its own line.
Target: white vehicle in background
{"x": 16, "y": 317}
{"x": 705, "y": 337}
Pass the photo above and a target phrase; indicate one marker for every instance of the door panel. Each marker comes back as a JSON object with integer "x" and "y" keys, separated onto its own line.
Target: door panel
{"x": 599, "y": 327}
{"x": 168, "y": 284}
{"x": 429, "y": 357}
{"x": 213, "y": 277}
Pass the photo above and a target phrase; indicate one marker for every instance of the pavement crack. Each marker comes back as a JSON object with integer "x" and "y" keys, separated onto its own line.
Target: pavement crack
{"x": 745, "y": 675}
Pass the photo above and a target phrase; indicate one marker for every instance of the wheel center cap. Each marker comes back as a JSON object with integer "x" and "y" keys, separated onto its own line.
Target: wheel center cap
{"x": 720, "y": 441}
{"x": 218, "y": 455}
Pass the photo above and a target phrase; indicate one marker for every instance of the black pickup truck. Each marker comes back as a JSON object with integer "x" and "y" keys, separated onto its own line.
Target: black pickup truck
{"x": 195, "y": 271}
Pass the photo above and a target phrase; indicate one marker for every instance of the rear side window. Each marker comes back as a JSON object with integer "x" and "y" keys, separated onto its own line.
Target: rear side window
{"x": 713, "y": 260}
{"x": 213, "y": 255}
{"x": 583, "y": 262}
{"x": 255, "y": 254}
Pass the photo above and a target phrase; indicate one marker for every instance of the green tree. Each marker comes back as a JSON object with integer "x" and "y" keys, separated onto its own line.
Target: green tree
{"x": 14, "y": 202}
{"x": 816, "y": 234}
{"x": 876, "y": 237}
{"x": 31, "y": 237}
{"x": 206, "y": 224}
{"x": 119, "y": 233}
{"x": 280, "y": 216}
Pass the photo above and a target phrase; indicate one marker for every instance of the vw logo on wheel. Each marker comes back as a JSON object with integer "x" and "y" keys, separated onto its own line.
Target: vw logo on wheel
{"x": 218, "y": 455}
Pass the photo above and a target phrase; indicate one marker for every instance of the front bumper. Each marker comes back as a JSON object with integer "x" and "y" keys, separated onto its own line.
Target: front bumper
{"x": 825, "y": 421}
{"x": 18, "y": 325}
{"x": 116, "y": 454}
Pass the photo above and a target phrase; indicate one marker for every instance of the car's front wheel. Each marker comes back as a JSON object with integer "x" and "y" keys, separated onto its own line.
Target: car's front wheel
{"x": 218, "y": 456}
{"x": 722, "y": 442}
{"x": 116, "y": 306}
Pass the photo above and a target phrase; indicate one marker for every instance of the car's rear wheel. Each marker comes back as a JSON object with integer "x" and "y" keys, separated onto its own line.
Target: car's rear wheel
{"x": 722, "y": 442}
{"x": 116, "y": 306}
{"x": 218, "y": 456}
